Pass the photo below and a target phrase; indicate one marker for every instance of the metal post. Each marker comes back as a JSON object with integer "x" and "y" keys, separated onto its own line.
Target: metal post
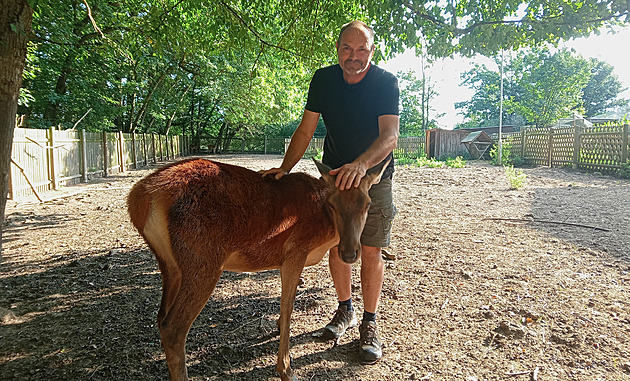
{"x": 624, "y": 144}
{"x": 500, "y": 159}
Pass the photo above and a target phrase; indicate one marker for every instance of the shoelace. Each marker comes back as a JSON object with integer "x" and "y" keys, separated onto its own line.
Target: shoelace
{"x": 368, "y": 334}
{"x": 340, "y": 314}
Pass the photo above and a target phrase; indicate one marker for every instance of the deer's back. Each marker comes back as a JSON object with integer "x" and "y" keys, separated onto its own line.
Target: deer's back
{"x": 226, "y": 209}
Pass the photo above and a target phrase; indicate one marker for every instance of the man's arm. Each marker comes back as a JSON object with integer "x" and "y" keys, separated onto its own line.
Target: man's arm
{"x": 299, "y": 143}
{"x": 351, "y": 174}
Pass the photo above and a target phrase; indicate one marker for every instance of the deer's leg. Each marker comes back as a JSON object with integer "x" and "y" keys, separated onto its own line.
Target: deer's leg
{"x": 171, "y": 283}
{"x": 193, "y": 293}
{"x": 290, "y": 276}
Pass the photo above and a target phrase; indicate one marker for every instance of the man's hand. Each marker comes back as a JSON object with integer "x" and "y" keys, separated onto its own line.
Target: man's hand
{"x": 277, "y": 173}
{"x": 349, "y": 175}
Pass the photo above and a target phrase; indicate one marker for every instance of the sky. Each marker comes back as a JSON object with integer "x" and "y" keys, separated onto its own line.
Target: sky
{"x": 445, "y": 73}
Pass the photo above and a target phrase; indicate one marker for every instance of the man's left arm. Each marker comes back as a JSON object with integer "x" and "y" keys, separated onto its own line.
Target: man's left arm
{"x": 351, "y": 174}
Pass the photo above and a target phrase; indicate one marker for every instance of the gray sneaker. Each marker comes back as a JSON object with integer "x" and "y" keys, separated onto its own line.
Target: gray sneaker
{"x": 369, "y": 345}
{"x": 342, "y": 320}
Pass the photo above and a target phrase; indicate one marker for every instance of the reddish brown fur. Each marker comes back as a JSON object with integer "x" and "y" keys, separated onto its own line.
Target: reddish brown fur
{"x": 201, "y": 217}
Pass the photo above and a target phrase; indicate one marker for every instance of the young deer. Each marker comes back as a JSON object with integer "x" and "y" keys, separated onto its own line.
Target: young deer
{"x": 201, "y": 217}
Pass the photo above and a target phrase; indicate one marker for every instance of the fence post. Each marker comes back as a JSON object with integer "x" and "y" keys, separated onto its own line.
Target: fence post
{"x": 133, "y": 150}
{"x": 84, "y": 164}
{"x": 51, "y": 157}
{"x": 550, "y": 159}
{"x": 105, "y": 156}
{"x": 243, "y": 145}
{"x": 577, "y": 141}
{"x": 121, "y": 151}
{"x": 624, "y": 144}
{"x": 265, "y": 144}
{"x": 161, "y": 146}
{"x": 153, "y": 146}
{"x": 523, "y": 137}
{"x": 144, "y": 150}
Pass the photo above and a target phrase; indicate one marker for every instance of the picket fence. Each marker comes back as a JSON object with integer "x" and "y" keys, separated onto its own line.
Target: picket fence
{"x": 44, "y": 160}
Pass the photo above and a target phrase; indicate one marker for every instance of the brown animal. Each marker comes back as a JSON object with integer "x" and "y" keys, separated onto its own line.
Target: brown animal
{"x": 201, "y": 217}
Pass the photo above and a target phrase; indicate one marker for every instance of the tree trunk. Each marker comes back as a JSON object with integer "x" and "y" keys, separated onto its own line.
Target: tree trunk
{"x": 15, "y": 26}
{"x": 51, "y": 114}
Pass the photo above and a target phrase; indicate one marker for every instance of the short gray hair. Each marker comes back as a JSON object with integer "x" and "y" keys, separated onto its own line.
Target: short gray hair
{"x": 357, "y": 24}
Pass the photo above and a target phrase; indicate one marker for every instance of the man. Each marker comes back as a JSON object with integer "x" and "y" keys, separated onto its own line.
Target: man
{"x": 359, "y": 104}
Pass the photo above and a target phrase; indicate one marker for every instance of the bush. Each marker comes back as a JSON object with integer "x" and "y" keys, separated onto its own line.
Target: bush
{"x": 423, "y": 161}
{"x": 515, "y": 177}
{"x": 457, "y": 162}
{"x": 624, "y": 172}
{"x": 507, "y": 156}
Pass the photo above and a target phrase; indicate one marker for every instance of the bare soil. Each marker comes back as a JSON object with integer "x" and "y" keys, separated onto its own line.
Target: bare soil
{"x": 466, "y": 297}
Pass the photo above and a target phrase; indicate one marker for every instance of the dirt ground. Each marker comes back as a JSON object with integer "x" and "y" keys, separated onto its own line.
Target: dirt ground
{"x": 469, "y": 296}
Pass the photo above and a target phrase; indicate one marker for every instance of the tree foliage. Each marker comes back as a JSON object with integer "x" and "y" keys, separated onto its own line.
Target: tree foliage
{"x": 486, "y": 27}
{"x": 237, "y": 67}
{"x": 539, "y": 88}
{"x": 416, "y": 95}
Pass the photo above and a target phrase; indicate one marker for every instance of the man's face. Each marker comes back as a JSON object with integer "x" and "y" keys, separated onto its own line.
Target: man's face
{"x": 354, "y": 51}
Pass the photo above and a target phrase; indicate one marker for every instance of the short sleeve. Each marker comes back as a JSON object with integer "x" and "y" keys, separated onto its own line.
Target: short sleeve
{"x": 391, "y": 95}
{"x": 312, "y": 101}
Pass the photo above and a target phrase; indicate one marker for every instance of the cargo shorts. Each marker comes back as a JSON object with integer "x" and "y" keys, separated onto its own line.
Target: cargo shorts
{"x": 380, "y": 215}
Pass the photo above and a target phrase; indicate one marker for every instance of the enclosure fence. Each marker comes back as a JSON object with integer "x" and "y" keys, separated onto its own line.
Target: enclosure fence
{"x": 412, "y": 146}
{"x": 43, "y": 160}
{"x": 600, "y": 148}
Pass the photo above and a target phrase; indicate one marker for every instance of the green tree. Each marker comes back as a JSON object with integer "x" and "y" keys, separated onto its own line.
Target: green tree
{"x": 487, "y": 27}
{"x": 539, "y": 88}
{"x": 415, "y": 99}
{"x": 602, "y": 91}
{"x": 15, "y": 25}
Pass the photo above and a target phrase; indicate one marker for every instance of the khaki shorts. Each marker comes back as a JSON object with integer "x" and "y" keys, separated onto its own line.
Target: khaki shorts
{"x": 380, "y": 216}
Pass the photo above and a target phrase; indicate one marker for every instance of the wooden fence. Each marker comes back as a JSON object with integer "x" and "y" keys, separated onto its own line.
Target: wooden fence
{"x": 600, "y": 148}
{"x": 413, "y": 146}
{"x": 43, "y": 160}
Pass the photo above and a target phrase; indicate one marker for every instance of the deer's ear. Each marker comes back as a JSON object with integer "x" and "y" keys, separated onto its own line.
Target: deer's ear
{"x": 374, "y": 174}
{"x": 324, "y": 171}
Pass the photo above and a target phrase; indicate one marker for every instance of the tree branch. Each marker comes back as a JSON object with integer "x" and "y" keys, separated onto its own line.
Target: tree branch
{"x": 524, "y": 21}
{"x": 546, "y": 222}
{"x": 255, "y": 33}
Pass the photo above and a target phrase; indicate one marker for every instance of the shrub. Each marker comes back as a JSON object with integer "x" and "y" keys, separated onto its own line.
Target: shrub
{"x": 457, "y": 162}
{"x": 515, "y": 177}
{"x": 507, "y": 156}
{"x": 624, "y": 172}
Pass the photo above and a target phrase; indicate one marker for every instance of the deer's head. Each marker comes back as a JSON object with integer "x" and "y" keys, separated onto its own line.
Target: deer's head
{"x": 350, "y": 209}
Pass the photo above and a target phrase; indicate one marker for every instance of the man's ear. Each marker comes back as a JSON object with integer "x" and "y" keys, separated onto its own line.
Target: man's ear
{"x": 374, "y": 174}
{"x": 323, "y": 170}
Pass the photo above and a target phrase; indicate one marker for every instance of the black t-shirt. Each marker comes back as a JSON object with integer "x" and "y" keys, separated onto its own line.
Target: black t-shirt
{"x": 351, "y": 112}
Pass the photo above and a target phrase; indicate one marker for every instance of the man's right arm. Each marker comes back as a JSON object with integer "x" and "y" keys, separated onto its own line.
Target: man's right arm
{"x": 299, "y": 143}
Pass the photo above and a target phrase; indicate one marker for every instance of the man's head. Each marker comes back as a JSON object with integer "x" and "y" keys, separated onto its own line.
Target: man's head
{"x": 355, "y": 48}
